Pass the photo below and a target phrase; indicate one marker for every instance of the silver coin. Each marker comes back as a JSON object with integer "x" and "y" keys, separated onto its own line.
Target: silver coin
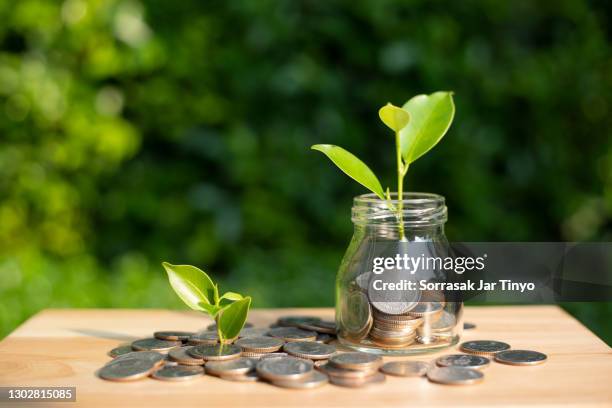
{"x": 295, "y": 321}
{"x": 393, "y": 302}
{"x": 260, "y": 344}
{"x": 520, "y": 357}
{"x": 273, "y": 355}
{"x": 324, "y": 338}
{"x": 215, "y": 351}
{"x": 181, "y": 355}
{"x": 213, "y": 327}
{"x": 126, "y": 369}
{"x": 446, "y": 322}
{"x": 310, "y": 350}
{"x": 376, "y": 378}
{"x": 178, "y": 373}
{"x": 356, "y": 360}
{"x": 237, "y": 366}
{"x": 173, "y": 335}
{"x": 153, "y": 357}
{"x": 169, "y": 362}
{"x": 313, "y": 380}
{"x": 468, "y": 326}
{"x": 405, "y": 368}
{"x": 355, "y": 316}
{"x": 204, "y": 337}
{"x": 253, "y": 332}
{"x": 463, "y": 360}
{"x": 334, "y": 371}
{"x": 153, "y": 344}
{"x": 248, "y": 377}
{"x": 362, "y": 281}
{"x": 323, "y": 326}
{"x": 284, "y": 368}
{"x": 426, "y": 309}
{"x": 293, "y": 334}
{"x": 117, "y": 351}
{"x": 485, "y": 347}
{"x": 454, "y": 375}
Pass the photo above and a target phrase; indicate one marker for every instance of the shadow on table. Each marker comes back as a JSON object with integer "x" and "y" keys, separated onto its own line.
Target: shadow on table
{"x": 102, "y": 334}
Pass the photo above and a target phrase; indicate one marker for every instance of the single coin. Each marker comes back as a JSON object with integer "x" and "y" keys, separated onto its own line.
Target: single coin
{"x": 295, "y": 321}
{"x": 426, "y": 309}
{"x": 310, "y": 350}
{"x": 355, "y": 316}
{"x": 212, "y": 352}
{"x": 173, "y": 335}
{"x": 126, "y": 369}
{"x": 485, "y": 347}
{"x": 204, "y": 337}
{"x": 356, "y": 361}
{"x": 117, "y": 351}
{"x": 333, "y": 371}
{"x": 273, "y": 355}
{"x": 446, "y": 322}
{"x": 323, "y": 326}
{"x": 181, "y": 355}
{"x": 324, "y": 338}
{"x": 313, "y": 380}
{"x": 155, "y": 358}
{"x": 405, "y": 368}
{"x": 153, "y": 344}
{"x": 178, "y": 373}
{"x": 248, "y": 377}
{"x": 468, "y": 326}
{"x": 393, "y": 302}
{"x": 520, "y": 357}
{"x": 293, "y": 334}
{"x": 283, "y": 368}
{"x": 169, "y": 362}
{"x": 454, "y": 375}
{"x": 237, "y": 366}
{"x": 259, "y": 344}
{"x": 463, "y": 360}
{"x": 213, "y": 327}
{"x": 376, "y": 378}
{"x": 252, "y": 354}
{"x": 253, "y": 332}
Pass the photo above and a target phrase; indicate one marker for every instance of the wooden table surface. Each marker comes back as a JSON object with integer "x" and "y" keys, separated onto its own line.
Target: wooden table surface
{"x": 66, "y": 347}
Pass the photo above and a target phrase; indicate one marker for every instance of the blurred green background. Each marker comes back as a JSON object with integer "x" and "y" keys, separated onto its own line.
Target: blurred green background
{"x": 139, "y": 131}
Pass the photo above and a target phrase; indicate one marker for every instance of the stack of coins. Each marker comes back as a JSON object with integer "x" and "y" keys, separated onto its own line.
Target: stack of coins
{"x": 393, "y": 331}
{"x": 259, "y": 346}
{"x": 353, "y": 369}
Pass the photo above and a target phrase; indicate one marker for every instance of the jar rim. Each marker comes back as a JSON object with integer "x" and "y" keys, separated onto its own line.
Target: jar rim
{"x": 418, "y": 210}
{"x": 410, "y": 197}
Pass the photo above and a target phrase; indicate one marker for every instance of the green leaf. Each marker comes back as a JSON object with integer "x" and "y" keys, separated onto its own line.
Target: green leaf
{"x": 394, "y": 117}
{"x": 191, "y": 284}
{"x": 212, "y": 310}
{"x": 233, "y": 317}
{"x": 232, "y": 296}
{"x": 430, "y": 118}
{"x": 353, "y": 167}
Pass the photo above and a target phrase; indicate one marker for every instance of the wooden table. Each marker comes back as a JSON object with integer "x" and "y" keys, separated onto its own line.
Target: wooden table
{"x": 66, "y": 347}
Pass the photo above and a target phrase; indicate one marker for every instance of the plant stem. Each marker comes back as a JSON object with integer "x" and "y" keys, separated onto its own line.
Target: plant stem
{"x": 218, "y": 322}
{"x": 401, "y": 172}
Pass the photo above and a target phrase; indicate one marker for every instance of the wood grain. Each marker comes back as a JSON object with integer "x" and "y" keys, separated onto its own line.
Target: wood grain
{"x": 66, "y": 347}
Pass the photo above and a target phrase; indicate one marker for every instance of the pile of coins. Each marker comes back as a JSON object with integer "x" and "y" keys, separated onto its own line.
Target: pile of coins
{"x": 298, "y": 352}
{"x": 395, "y": 320}
{"x": 353, "y": 369}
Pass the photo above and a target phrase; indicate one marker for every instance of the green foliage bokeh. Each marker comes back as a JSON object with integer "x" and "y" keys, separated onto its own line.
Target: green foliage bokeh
{"x": 135, "y": 132}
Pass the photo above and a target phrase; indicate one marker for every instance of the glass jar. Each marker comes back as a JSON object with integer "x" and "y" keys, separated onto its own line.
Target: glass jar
{"x": 385, "y": 303}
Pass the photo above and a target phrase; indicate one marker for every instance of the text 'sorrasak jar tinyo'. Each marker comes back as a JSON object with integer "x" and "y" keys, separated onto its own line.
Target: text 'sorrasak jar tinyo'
{"x": 384, "y": 300}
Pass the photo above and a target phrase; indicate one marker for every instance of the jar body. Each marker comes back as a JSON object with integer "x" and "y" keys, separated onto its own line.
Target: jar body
{"x": 388, "y": 294}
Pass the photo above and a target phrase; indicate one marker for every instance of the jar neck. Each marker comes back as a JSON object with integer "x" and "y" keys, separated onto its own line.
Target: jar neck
{"x": 423, "y": 214}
